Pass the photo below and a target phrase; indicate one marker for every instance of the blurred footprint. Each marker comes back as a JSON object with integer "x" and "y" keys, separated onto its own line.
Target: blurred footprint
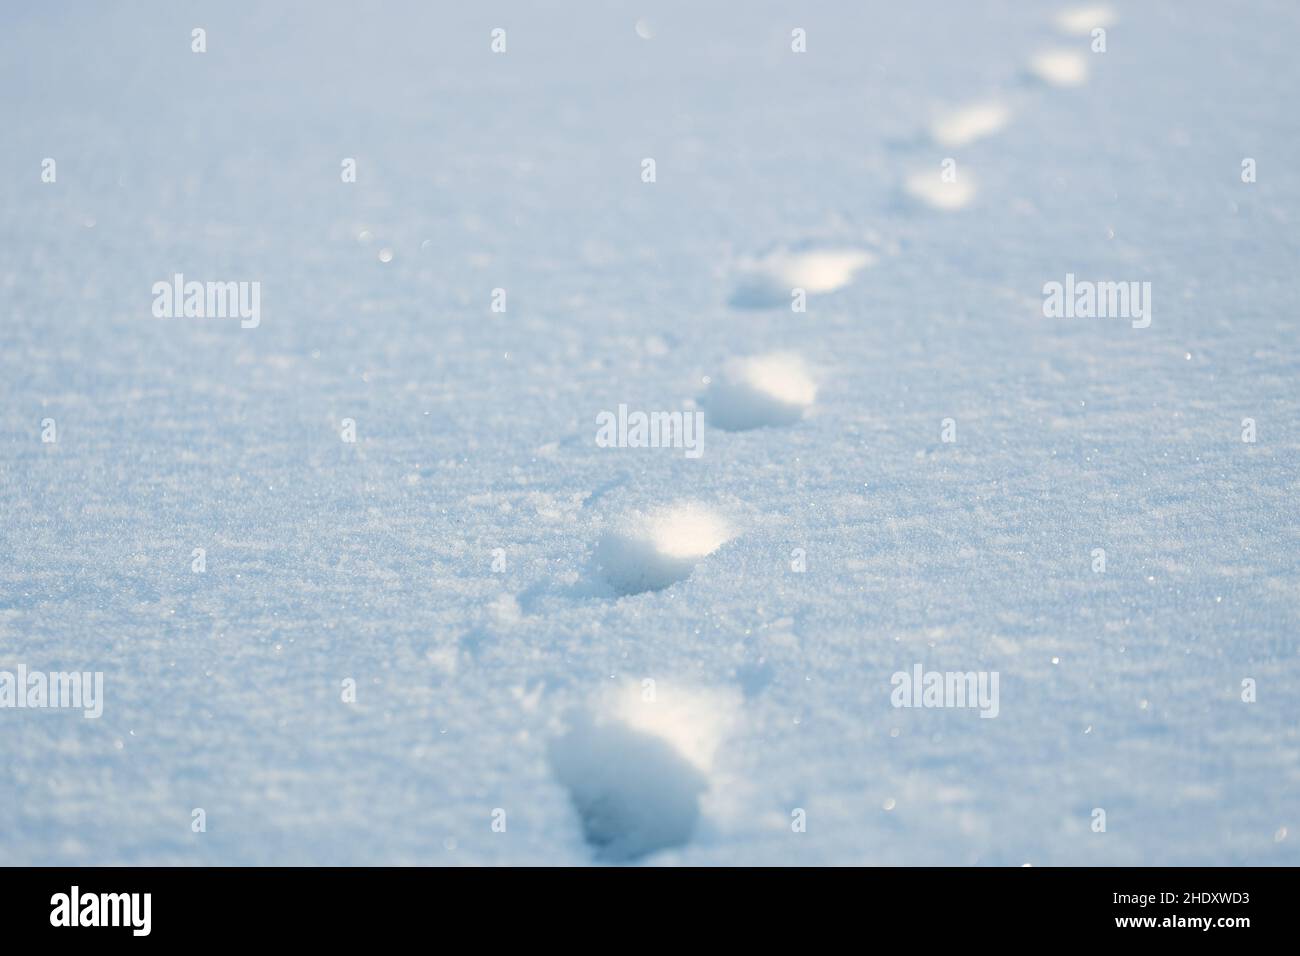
{"x": 1060, "y": 68}
{"x": 759, "y": 391}
{"x": 970, "y": 123}
{"x": 770, "y": 281}
{"x": 932, "y": 188}
{"x": 1081, "y": 21}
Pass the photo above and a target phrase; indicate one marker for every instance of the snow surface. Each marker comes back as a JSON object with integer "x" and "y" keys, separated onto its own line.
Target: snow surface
{"x": 444, "y": 561}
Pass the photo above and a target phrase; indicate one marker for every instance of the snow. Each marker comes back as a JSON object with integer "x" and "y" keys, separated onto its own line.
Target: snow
{"x": 395, "y": 636}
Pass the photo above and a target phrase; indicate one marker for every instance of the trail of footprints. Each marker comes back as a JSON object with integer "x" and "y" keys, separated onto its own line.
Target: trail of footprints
{"x": 947, "y": 189}
{"x": 636, "y": 766}
{"x": 650, "y": 550}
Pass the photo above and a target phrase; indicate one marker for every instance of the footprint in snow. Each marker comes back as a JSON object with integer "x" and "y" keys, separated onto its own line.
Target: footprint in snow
{"x": 637, "y": 765}
{"x": 1059, "y": 68}
{"x": 942, "y": 188}
{"x": 759, "y": 391}
{"x": 650, "y": 550}
{"x": 771, "y": 280}
{"x": 1081, "y": 21}
{"x": 970, "y": 123}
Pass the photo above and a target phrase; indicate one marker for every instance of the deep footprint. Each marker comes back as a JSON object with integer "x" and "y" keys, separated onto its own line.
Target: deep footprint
{"x": 635, "y": 793}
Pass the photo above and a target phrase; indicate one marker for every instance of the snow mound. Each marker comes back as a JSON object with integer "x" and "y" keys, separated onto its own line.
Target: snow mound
{"x": 1081, "y": 21}
{"x": 970, "y": 123}
{"x": 770, "y": 281}
{"x": 637, "y": 766}
{"x": 1060, "y": 67}
{"x": 761, "y": 390}
{"x": 650, "y": 551}
{"x": 929, "y": 187}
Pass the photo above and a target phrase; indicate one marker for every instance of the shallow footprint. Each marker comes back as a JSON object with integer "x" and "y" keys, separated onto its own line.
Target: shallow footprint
{"x": 637, "y": 765}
